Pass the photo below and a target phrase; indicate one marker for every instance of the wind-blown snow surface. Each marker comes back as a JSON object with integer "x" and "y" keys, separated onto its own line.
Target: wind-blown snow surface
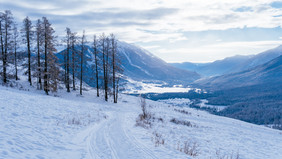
{"x": 34, "y": 125}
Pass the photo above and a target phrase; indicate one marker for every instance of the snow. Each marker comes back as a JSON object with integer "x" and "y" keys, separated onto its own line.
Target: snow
{"x": 204, "y": 104}
{"x": 34, "y": 125}
{"x": 132, "y": 85}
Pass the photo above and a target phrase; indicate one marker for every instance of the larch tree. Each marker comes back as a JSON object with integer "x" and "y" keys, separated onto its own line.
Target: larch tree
{"x": 15, "y": 47}
{"x": 83, "y": 40}
{"x": 104, "y": 60}
{"x": 28, "y": 33}
{"x": 51, "y": 68}
{"x": 114, "y": 67}
{"x": 2, "y": 39}
{"x": 39, "y": 43}
{"x": 95, "y": 49}
{"x": 6, "y": 39}
{"x": 73, "y": 41}
{"x": 67, "y": 58}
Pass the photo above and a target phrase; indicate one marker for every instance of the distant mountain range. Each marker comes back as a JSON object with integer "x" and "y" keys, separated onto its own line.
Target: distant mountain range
{"x": 253, "y": 95}
{"x": 231, "y": 64}
{"x": 267, "y": 73}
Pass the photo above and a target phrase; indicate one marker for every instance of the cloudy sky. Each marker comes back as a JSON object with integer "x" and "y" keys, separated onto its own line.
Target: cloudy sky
{"x": 174, "y": 30}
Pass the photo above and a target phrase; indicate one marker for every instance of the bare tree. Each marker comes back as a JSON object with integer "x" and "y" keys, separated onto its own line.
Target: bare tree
{"x": 6, "y": 39}
{"x": 50, "y": 66}
{"x": 27, "y": 33}
{"x": 73, "y": 41}
{"x": 83, "y": 40}
{"x": 67, "y": 58}
{"x": 15, "y": 46}
{"x": 2, "y": 41}
{"x": 95, "y": 49}
{"x": 114, "y": 51}
{"x": 116, "y": 67}
{"x": 103, "y": 41}
{"x": 39, "y": 42}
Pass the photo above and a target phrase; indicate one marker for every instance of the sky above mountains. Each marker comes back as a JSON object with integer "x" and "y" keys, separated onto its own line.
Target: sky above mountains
{"x": 176, "y": 31}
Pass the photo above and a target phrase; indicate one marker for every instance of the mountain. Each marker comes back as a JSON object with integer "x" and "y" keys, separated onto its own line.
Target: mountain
{"x": 270, "y": 72}
{"x": 253, "y": 95}
{"x": 139, "y": 64}
{"x": 220, "y": 67}
{"x": 231, "y": 64}
{"x": 189, "y": 65}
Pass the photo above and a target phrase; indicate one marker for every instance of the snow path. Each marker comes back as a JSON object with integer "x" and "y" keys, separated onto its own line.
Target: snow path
{"x": 110, "y": 138}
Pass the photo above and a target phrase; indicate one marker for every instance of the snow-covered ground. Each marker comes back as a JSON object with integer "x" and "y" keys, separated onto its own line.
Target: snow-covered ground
{"x": 34, "y": 125}
{"x": 141, "y": 87}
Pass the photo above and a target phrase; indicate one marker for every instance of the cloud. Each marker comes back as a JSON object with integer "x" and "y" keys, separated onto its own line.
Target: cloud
{"x": 161, "y": 23}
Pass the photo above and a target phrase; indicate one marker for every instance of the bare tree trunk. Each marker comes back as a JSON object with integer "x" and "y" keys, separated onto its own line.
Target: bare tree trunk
{"x": 114, "y": 66}
{"x": 103, "y": 38}
{"x": 96, "y": 64}
{"x": 15, "y": 49}
{"x": 2, "y": 49}
{"x": 38, "y": 39}
{"x": 73, "y": 65}
{"x": 29, "y": 54}
{"x": 68, "y": 59}
{"x": 27, "y": 31}
{"x": 46, "y": 89}
{"x": 81, "y": 58}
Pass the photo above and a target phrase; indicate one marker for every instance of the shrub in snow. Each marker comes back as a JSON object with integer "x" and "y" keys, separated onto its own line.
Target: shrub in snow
{"x": 158, "y": 139}
{"x": 182, "y": 111}
{"x": 182, "y": 122}
{"x": 144, "y": 119}
{"x": 189, "y": 148}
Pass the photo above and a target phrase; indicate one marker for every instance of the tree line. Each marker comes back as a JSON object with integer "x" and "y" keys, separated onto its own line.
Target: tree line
{"x": 43, "y": 66}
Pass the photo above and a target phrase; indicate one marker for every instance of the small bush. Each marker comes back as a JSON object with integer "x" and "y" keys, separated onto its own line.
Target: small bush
{"x": 144, "y": 119}
{"x": 158, "y": 139}
{"x": 191, "y": 149}
{"x": 74, "y": 121}
{"x": 182, "y": 111}
{"x": 182, "y": 122}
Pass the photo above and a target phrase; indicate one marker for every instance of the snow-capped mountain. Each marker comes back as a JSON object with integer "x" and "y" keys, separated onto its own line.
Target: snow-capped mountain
{"x": 268, "y": 73}
{"x": 231, "y": 64}
{"x": 139, "y": 64}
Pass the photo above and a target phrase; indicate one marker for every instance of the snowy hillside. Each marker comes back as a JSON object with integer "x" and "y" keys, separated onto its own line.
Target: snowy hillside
{"x": 34, "y": 125}
{"x": 139, "y": 65}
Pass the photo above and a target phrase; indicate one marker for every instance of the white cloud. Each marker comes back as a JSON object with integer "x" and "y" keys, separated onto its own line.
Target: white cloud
{"x": 156, "y": 21}
{"x": 209, "y": 53}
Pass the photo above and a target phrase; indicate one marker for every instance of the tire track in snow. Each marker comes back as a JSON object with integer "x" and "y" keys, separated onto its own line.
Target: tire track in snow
{"x": 110, "y": 140}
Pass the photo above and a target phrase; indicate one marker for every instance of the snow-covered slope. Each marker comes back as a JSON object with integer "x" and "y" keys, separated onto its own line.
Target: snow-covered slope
{"x": 34, "y": 125}
{"x": 268, "y": 73}
{"x": 138, "y": 64}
